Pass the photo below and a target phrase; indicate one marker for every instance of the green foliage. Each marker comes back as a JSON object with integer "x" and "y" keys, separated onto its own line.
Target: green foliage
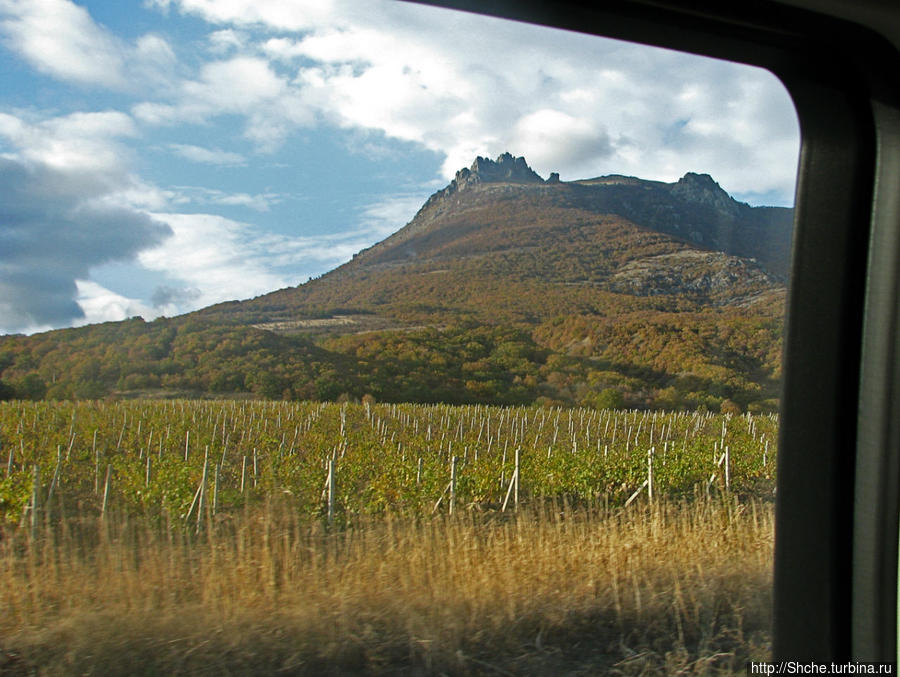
{"x": 30, "y": 387}
{"x": 390, "y": 457}
{"x": 643, "y": 359}
{"x": 730, "y": 407}
{"x": 609, "y": 398}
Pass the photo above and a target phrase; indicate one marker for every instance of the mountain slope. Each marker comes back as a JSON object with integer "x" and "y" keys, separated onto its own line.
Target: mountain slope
{"x": 504, "y": 288}
{"x": 500, "y": 244}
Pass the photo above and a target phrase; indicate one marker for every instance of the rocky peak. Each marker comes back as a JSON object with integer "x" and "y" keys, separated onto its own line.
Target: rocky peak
{"x": 505, "y": 168}
{"x": 697, "y": 185}
{"x": 702, "y": 189}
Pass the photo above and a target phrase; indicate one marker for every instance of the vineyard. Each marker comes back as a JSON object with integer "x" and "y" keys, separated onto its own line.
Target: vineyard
{"x": 246, "y": 538}
{"x": 190, "y": 462}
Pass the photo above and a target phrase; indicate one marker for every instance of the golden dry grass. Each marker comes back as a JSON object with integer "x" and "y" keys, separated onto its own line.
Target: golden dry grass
{"x": 676, "y": 587}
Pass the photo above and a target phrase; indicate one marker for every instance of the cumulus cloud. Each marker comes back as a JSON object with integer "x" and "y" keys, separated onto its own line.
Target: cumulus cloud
{"x": 243, "y": 85}
{"x": 211, "y": 258}
{"x": 224, "y": 41}
{"x": 207, "y": 156}
{"x": 79, "y": 141}
{"x": 99, "y": 304}
{"x": 219, "y": 257}
{"x": 571, "y": 103}
{"x": 51, "y": 233}
{"x": 60, "y": 39}
{"x": 555, "y": 139}
{"x": 238, "y": 85}
{"x": 235, "y": 85}
{"x": 281, "y": 14}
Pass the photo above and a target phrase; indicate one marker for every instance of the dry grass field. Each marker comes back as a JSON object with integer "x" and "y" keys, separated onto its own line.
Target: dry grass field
{"x": 672, "y": 587}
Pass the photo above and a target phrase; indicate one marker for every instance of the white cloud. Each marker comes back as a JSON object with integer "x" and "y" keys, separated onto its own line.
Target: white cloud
{"x": 154, "y": 113}
{"x": 135, "y": 193}
{"x": 210, "y": 253}
{"x": 386, "y": 216}
{"x": 60, "y": 39}
{"x": 281, "y": 14}
{"x": 236, "y": 85}
{"x": 217, "y": 256}
{"x": 283, "y": 49}
{"x": 242, "y": 85}
{"x": 558, "y": 139}
{"x": 207, "y": 156}
{"x": 100, "y": 304}
{"x": 261, "y": 202}
{"x": 541, "y": 94}
{"x": 154, "y": 49}
{"x": 226, "y": 40}
{"x": 78, "y": 141}
{"x": 464, "y": 85}
{"x": 219, "y": 259}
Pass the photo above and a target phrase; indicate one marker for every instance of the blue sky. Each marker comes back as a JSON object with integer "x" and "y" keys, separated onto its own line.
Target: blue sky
{"x": 160, "y": 156}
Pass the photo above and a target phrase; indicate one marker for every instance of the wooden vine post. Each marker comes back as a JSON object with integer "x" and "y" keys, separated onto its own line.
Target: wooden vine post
{"x": 202, "y": 502}
{"x": 35, "y": 499}
{"x": 106, "y": 491}
{"x": 516, "y": 496}
{"x": 331, "y": 483}
{"x": 452, "y": 483}
{"x": 727, "y": 467}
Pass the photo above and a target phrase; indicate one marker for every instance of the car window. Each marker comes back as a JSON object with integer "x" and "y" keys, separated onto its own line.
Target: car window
{"x": 385, "y": 337}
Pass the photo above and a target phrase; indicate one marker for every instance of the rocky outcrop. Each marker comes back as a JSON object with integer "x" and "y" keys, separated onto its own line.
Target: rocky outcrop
{"x": 701, "y": 189}
{"x": 506, "y": 169}
{"x": 692, "y": 273}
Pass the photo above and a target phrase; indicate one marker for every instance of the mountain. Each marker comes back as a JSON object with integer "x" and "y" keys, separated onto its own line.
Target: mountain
{"x": 504, "y": 288}
{"x": 538, "y": 249}
{"x": 694, "y": 209}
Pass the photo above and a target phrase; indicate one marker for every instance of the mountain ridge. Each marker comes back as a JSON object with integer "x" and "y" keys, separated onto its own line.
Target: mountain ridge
{"x": 698, "y": 210}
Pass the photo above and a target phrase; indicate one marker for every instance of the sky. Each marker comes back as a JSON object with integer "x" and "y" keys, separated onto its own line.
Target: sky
{"x": 160, "y": 156}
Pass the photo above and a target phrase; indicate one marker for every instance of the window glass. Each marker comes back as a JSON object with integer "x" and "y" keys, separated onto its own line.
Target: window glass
{"x": 384, "y": 337}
